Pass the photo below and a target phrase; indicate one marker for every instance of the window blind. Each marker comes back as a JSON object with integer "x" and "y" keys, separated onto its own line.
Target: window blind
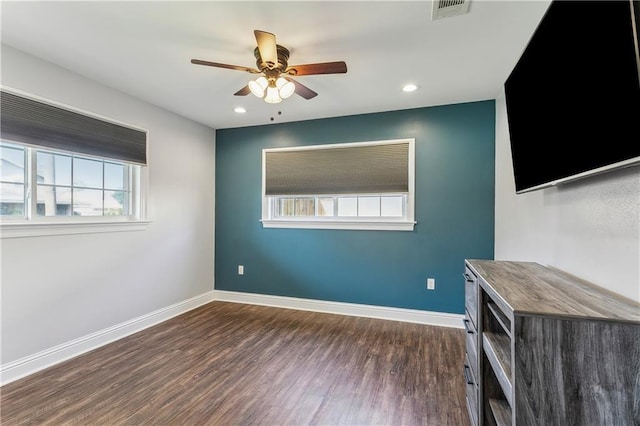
{"x": 36, "y": 123}
{"x": 368, "y": 168}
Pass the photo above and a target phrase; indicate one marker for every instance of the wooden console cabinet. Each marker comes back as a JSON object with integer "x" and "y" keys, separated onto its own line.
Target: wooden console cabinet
{"x": 547, "y": 348}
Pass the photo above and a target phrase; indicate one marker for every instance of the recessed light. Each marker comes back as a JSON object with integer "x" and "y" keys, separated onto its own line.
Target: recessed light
{"x": 409, "y": 88}
{"x": 239, "y": 110}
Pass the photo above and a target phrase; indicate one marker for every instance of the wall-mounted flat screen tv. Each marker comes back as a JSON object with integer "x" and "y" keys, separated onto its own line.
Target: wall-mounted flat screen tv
{"x": 573, "y": 98}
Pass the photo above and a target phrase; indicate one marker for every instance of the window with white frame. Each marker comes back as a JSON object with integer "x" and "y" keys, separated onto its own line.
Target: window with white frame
{"x": 59, "y": 166}
{"x": 364, "y": 185}
{"x": 38, "y": 184}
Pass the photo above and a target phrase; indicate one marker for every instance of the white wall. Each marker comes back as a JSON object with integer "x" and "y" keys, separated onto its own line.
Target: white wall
{"x": 59, "y": 288}
{"x": 589, "y": 228}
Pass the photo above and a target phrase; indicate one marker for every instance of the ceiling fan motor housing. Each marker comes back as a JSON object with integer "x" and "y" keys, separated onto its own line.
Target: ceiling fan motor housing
{"x": 283, "y": 58}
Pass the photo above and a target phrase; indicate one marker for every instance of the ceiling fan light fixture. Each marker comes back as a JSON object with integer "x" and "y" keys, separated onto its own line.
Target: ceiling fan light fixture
{"x": 263, "y": 82}
{"x": 285, "y": 88}
{"x": 272, "y": 97}
{"x": 256, "y": 89}
{"x": 258, "y": 86}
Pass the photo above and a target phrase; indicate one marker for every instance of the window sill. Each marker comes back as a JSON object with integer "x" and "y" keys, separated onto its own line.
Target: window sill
{"x": 38, "y": 229}
{"x": 347, "y": 225}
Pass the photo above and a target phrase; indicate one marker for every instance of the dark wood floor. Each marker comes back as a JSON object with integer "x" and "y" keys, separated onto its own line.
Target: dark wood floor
{"x": 235, "y": 364}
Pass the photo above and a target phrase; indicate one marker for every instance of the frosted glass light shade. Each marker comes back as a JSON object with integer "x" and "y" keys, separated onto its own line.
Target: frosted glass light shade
{"x": 272, "y": 95}
{"x": 256, "y": 89}
{"x": 285, "y": 87}
{"x": 262, "y": 81}
{"x": 258, "y": 86}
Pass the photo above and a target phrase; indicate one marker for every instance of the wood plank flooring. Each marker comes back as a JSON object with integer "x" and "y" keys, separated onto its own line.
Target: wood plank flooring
{"x": 235, "y": 364}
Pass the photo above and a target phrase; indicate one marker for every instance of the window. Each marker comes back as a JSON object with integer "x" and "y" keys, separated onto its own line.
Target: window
{"x": 366, "y": 185}
{"x": 64, "y": 184}
{"x": 12, "y": 181}
{"x": 60, "y": 168}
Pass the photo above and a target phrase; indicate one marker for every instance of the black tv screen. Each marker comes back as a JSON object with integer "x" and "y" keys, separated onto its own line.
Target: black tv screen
{"x": 573, "y": 98}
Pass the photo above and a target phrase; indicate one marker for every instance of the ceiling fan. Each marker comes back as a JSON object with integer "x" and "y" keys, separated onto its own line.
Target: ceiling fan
{"x": 276, "y": 83}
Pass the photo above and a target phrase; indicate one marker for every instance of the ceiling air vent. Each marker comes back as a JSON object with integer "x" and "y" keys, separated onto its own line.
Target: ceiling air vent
{"x": 446, "y": 8}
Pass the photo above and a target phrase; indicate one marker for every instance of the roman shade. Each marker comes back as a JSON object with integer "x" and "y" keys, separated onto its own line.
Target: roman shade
{"x": 350, "y": 169}
{"x": 32, "y": 122}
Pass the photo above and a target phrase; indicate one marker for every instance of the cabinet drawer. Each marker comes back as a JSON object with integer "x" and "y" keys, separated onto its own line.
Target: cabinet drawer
{"x": 472, "y": 348}
{"x": 471, "y": 295}
{"x": 471, "y": 392}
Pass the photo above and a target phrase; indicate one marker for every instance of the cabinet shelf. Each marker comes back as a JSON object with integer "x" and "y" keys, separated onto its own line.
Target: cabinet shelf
{"x": 497, "y": 348}
{"x": 502, "y": 319}
{"x": 501, "y": 411}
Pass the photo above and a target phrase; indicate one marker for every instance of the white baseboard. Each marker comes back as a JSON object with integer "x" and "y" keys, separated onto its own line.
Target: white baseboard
{"x": 28, "y": 365}
{"x": 352, "y": 309}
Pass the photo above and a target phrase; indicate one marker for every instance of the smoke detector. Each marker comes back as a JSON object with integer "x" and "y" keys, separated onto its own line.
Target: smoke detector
{"x": 447, "y": 8}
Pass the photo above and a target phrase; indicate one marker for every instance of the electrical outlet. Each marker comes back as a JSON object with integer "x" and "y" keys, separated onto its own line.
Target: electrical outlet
{"x": 431, "y": 284}
{"x": 240, "y": 269}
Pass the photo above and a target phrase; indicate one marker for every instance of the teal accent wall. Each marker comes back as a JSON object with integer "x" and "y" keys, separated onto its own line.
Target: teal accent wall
{"x": 455, "y": 162}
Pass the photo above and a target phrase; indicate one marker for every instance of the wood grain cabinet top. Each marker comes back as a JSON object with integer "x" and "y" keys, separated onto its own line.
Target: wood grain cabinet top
{"x": 531, "y": 288}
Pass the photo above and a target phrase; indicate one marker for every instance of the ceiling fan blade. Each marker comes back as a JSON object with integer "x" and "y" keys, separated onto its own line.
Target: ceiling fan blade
{"x": 267, "y": 47}
{"x": 302, "y": 90}
{"x": 244, "y": 91}
{"x": 231, "y": 67}
{"x": 339, "y": 67}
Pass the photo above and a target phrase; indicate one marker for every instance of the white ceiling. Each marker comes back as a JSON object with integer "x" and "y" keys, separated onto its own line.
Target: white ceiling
{"x": 144, "y": 49}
